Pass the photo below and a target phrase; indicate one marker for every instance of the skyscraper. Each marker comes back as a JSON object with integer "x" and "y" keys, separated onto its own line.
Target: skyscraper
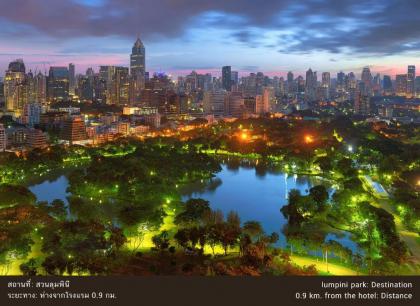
{"x": 387, "y": 85}
{"x": 411, "y": 75}
{"x": 214, "y": 103}
{"x": 72, "y": 79}
{"x": 326, "y": 84}
{"x": 138, "y": 66}
{"x": 401, "y": 84}
{"x": 227, "y": 78}
{"x": 362, "y": 104}
{"x": 58, "y": 83}
{"x": 367, "y": 80}
{"x": 15, "y": 89}
{"x": 310, "y": 85}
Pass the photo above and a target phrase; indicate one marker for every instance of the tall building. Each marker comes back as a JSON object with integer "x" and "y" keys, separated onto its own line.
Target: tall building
{"x": 262, "y": 102}
{"x": 15, "y": 87}
{"x": 106, "y": 75}
{"x": 72, "y": 79}
{"x": 138, "y": 66}
{"x": 40, "y": 88}
{"x": 387, "y": 85}
{"x": 290, "y": 83}
{"x": 214, "y": 103}
{"x": 310, "y": 85}
{"x": 3, "y": 138}
{"x": 58, "y": 84}
{"x": 401, "y": 84}
{"x": 31, "y": 114}
{"x": 326, "y": 85}
{"x": 235, "y": 104}
{"x": 367, "y": 80}
{"x": 362, "y": 104}
{"x": 73, "y": 130}
{"x": 121, "y": 86}
{"x": 411, "y": 76}
{"x": 235, "y": 78}
{"x": 227, "y": 78}
{"x": 417, "y": 86}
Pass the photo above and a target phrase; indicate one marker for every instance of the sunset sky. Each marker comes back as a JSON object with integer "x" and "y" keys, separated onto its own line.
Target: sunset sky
{"x": 273, "y": 36}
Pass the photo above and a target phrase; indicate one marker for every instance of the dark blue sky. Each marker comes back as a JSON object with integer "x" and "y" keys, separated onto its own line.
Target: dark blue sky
{"x": 180, "y": 35}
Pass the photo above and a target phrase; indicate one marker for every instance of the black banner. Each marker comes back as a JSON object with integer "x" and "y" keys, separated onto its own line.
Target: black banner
{"x": 216, "y": 291}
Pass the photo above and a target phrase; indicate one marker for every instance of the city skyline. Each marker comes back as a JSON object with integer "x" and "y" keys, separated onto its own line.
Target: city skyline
{"x": 205, "y": 37}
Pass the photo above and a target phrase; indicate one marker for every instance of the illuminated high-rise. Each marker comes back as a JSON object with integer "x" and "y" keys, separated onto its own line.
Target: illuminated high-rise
{"x": 72, "y": 79}
{"x": 138, "y": 66}
{"x": 411, "y": 76}
{"x": 227, "y": 78}
{"x": 58, "y": 84}
{"x": 15, "y": 89}
{"x": 401, "y": 85}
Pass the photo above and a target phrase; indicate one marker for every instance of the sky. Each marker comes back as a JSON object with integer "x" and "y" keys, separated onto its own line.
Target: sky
{"x": 272, "y": 36}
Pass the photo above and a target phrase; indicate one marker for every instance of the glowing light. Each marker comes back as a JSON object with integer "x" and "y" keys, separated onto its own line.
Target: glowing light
{"x": 350, "y": 148}
{"x": 309, "y": 139}
{"x": 244, "y": 136}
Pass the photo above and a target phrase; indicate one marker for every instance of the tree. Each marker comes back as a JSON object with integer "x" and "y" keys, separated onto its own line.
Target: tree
{"x": 161, "y": 241}
{"x": 58, "y": 209}
{"x": 233, "y": 220}
{"x": 29, "y": 268}
{"x": 194, "y": 212}
{"x": 253, "y": 229}
{"x": 320, "y": 195}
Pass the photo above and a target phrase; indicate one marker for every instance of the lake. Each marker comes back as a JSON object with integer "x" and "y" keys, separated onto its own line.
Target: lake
{"x": 254, "y": 193}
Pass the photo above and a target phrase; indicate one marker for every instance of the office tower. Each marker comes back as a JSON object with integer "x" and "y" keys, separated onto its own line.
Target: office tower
{"x": 72, "y": 79}
{"x": 411, "y": 75}
{"x": 214, "y": 103}
{"x": 3, "y": 138}
{"x": 367, "y": 80}
{"x": 31, "y": 114}
{"x": 387, "y": 85}
{"x": 85, "y": 88}
{"x": 107, "y": 74}
{"x": 235, "y": 104}
{"x": 362, "y": 104}
{"x": 234, "y": 78}
{"x": 290, "y": 83}
{"x": 417, "y": 86}
{"x": 227, "y": 78}
{"x": 138, "y": 67}
{"x": 325, "y": 85}
{"x": 310, "y": 85}
{"x": 121, "y": 86}
{"x": 262, "y": 102}
{"x": 260, "y": 80}
{"x": 58, "y": 84}
{"x": 15, "y": 87}
{"x": 401, "y": 85}
{"x": 73, "y": 130}
{"x": 341, "y": 82}
{"x": 40, "y": 88}
{"x": 35, "y": 138}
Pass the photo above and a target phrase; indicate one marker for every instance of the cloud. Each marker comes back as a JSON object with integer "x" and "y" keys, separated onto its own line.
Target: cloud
{"x": 347, "y": 26}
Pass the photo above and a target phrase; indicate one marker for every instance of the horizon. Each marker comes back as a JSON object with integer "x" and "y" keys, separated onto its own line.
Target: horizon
{"x": 273, "y": 38}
